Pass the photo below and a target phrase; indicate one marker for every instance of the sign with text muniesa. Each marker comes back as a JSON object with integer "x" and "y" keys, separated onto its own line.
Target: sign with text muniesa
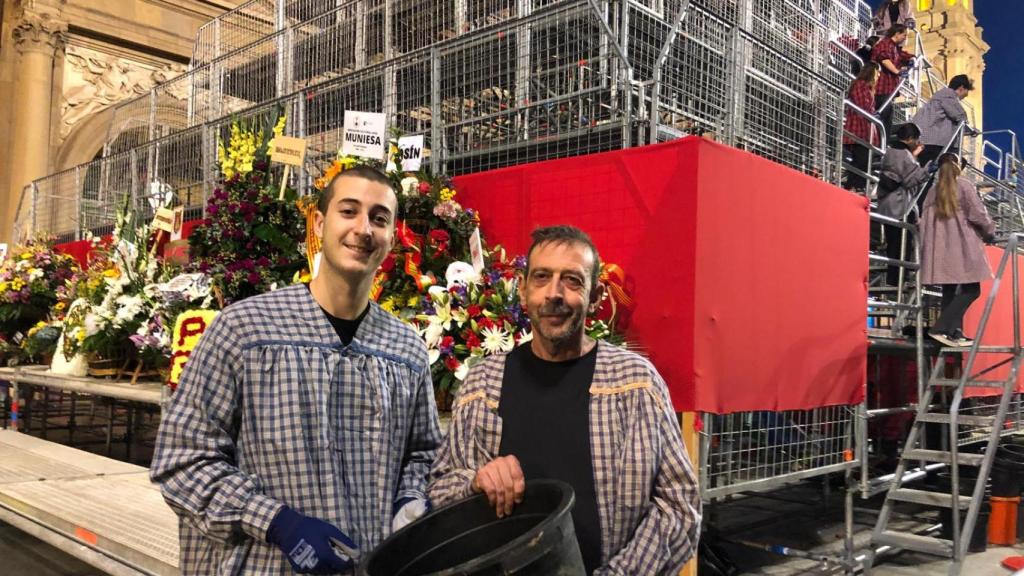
{"x": 364, "y": 135}
{"x": 287, "y": 150}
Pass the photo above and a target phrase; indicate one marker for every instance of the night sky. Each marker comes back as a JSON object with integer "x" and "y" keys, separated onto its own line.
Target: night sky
{"x": 1003, "y": 24}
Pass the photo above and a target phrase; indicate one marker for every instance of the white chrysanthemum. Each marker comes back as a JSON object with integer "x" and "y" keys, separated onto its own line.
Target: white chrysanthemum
{"x": 127, "y": 308}
{"x": 496, "y": 340}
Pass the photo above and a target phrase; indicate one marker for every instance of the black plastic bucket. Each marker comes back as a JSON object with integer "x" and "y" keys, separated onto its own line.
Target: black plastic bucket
{"x": 467, "y": 537}
{"x": 1008, "y": 471}
{"x": 968, "y": 479}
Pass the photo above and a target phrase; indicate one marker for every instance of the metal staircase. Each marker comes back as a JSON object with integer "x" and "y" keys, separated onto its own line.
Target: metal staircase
{"x": 952, "y": 389}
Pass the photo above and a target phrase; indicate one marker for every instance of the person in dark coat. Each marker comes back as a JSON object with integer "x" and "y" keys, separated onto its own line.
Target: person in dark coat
{"x": 954, "y": 228}
{"x": 859, "y": 131}
{"x": 899, "y": 180}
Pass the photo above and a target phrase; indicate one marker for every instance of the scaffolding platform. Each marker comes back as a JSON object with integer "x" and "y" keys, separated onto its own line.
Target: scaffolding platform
{"x": 102, "y": 511}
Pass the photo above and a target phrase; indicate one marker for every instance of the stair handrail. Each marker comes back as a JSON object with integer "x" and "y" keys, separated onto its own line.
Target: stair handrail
{"x": 1009, "y": 251}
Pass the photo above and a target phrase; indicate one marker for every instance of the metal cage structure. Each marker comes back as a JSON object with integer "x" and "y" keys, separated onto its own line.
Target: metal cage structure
{"x": 495, "y": 83}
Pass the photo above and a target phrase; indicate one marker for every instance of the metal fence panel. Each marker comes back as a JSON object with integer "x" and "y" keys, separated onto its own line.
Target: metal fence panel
{"x": 763, "y": 450}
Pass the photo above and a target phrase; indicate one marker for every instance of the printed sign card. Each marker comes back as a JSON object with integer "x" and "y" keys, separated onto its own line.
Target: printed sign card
{"x": 364, "y": 135}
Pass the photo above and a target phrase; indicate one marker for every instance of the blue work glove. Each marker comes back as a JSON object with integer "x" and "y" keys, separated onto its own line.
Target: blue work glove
{"x": 932, "y": 167}
{"x": 408, "y": 510}
{"x": 312, "y": 546}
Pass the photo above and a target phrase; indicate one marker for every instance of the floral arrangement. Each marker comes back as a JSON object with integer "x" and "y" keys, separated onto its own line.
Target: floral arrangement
{"x": 473, "y": 316}
{"x": 111, "y": 304}
{"x": 250, "y": 241}
{"x": 463, "y": 315}
{"x": 123, "y": 306}
{"x": 30, "y": 280}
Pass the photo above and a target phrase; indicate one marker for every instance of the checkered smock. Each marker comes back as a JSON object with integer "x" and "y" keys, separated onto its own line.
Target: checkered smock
{"x": 272, "y": 410}
{"x": 647, "y": 497}
{"x": 886, "y": 49}
{"x": 857, "y": 124}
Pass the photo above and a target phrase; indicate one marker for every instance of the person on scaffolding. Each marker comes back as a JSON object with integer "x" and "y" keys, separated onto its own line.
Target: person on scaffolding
{"x": 859, "y": 132}
{"x": 899, "y": 181}
{"x": 567, "y": 407}
{"x": 954, "y": 226}
{"x": 304, "y": 425}
{"x": 896, "y": 64}
{"x": 939, "y": 117}
{"x": 893, "y": 12}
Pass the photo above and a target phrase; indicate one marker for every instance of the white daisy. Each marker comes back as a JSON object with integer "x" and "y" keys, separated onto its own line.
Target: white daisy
{"x": 496, "y": 340}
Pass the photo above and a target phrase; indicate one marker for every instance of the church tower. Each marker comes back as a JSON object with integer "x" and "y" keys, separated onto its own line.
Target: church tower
{"x": 952, "y": 40}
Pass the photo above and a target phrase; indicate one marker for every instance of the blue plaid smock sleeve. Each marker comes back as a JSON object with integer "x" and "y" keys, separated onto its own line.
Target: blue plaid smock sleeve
{"x": 424, "y": 438}
{"x": 195, "y": 458}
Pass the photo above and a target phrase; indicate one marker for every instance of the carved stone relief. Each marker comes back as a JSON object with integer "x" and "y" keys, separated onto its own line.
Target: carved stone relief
{"x": 94, "y": 80}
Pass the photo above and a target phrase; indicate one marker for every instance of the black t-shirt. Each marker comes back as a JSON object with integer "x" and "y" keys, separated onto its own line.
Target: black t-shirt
{"x": 346, "y": 329}
{"x": 545, "y": 413}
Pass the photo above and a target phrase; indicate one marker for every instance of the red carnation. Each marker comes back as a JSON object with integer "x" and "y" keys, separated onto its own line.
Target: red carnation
{"x": 447, "y": 342}
{"x": 474, "y": 310}
{"x": 424, "y": 188}
{"x": 451, "y": 363}
{"x": 472, "y": 340}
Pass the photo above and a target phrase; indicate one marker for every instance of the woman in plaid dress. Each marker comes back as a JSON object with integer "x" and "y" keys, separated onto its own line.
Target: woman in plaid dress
{"x": 859, "y": 131}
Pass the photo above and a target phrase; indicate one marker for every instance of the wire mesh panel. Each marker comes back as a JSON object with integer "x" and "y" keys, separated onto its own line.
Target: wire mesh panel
{"x": 56, "y": 204}
{"x": 787, "y": 112}
{"x": 693, "y": 92}
{"x": 232, "y": 30}
{"x": 250, "y": 76}
{"x": 531, "y": 89}
{"x": 987, "y": 406}
{"x": 23, "y": 215}
{"x": 132, "y": 124}
{"x": 762, "y": 450}
{"x": 325, "y": 112}
{"x": 178, "y": 172}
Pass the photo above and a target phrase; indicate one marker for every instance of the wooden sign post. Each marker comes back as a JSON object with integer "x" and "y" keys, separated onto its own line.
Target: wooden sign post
{"x": 163, "y": 221}
{"x": 290, "y": 152}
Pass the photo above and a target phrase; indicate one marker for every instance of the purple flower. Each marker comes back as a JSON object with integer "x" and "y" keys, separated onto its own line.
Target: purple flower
{"x": 253, "y": 278}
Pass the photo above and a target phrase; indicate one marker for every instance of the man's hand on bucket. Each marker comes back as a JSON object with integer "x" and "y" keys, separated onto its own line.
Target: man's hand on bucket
{"x": 502, "y": 481}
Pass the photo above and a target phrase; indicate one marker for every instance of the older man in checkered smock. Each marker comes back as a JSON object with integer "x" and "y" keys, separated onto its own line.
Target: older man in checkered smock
{"x": 588, "y": 413}
{"x": 305, "y": 423}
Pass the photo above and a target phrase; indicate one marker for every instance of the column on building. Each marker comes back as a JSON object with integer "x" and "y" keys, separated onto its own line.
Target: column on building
{"x": 39, "y": 34}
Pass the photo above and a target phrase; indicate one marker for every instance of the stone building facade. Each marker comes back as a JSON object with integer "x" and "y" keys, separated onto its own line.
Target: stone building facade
{"x": 64, "y": 63}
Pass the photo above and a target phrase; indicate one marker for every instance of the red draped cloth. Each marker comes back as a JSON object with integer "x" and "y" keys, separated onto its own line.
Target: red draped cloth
{"x": 749, "y": 278}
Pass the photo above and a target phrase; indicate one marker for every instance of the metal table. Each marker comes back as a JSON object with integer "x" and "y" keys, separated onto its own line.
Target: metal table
{"x": 103, "y": 511}
{"x": 28, "y": 377}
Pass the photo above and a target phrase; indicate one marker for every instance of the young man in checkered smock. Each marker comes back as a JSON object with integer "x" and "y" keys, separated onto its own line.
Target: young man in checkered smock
{"x": 304, "y": 426}
{"x": 589, "y": 413}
